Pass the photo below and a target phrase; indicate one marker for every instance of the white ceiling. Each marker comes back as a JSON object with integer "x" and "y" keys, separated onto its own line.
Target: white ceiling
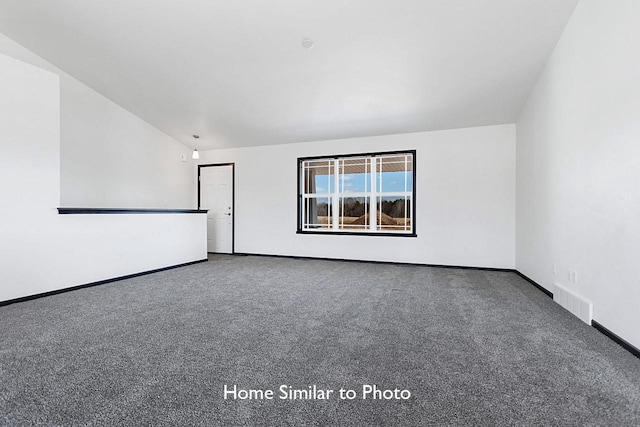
{"x": 235, "y": 71}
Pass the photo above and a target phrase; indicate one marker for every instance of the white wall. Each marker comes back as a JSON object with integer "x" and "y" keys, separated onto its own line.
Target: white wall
{"x": 465, "y": 199}
{"x": 578, "y": 166}
{"x": 109, "y": 157}
{"x": 42, "y": 251}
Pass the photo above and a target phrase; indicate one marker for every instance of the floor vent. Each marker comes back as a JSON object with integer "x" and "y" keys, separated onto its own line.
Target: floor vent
{"x": 577, "y": 305}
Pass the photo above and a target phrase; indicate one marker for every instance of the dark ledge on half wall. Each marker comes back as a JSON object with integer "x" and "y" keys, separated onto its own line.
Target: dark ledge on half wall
{"x": 101, "y": 211}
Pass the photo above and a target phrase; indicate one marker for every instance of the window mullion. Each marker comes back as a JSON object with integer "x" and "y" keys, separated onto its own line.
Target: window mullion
{"x": 373, "y": 211}
{"x": 406, "y": 178}
{"x": 334, "y": 199}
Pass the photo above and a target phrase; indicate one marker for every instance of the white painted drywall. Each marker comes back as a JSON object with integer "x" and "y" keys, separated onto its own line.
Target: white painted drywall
{"x": 41, "y": 251}
{"x": 578, "y": 166}
{"x": 109, "y": 157}
{"x": 465, "y": 199}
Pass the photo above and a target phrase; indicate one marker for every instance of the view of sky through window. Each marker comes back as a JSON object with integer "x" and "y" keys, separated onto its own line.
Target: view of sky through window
{"x": 360, "y": 182}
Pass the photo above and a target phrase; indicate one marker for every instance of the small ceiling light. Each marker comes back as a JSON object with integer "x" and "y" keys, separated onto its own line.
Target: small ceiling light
{"x": 307, "y": 43}
{"x": 195, "y": 154}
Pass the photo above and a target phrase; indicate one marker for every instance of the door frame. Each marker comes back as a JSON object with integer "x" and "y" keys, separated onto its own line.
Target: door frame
{"x": 233, "y": 198}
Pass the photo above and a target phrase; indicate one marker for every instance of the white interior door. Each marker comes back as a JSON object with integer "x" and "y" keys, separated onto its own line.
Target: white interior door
{"x": 216, "y": 195}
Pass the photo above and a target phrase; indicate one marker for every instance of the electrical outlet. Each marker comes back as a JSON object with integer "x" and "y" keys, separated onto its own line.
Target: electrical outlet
{"x": 573, "y": 276}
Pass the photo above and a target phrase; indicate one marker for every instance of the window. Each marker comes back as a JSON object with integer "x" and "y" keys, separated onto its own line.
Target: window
{"x": 357, "y": 194}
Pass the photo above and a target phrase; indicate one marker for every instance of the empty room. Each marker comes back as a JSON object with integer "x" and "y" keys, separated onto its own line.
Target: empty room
{"x": 301, "y": 212}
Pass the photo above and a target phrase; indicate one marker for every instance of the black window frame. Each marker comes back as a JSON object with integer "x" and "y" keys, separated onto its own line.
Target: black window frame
{"x": 331, "y": 232}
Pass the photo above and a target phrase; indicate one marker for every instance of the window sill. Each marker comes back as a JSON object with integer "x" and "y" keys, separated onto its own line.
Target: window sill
{"x": 356, "y": 233}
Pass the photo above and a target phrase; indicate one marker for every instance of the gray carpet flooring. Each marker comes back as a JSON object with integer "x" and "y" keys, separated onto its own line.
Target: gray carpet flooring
{"x": 472, "y": 347}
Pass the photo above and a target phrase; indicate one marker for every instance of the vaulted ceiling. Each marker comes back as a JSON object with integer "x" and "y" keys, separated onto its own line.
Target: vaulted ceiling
{"x": 236, "y": 71}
